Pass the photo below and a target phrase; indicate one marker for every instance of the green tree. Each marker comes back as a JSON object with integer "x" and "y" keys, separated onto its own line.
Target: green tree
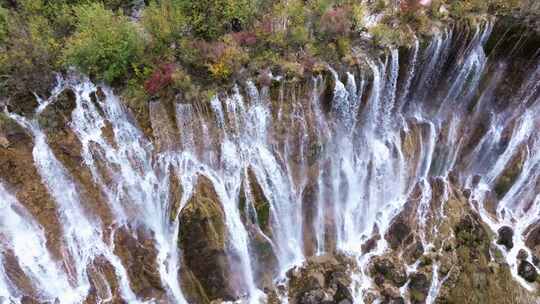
{"x": 104, "y": 45}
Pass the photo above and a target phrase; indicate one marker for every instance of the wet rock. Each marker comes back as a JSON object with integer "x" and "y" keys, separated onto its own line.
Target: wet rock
{"x": 309, "y": 213}
{"x": 137, "y": 251}
{"x": 418, "y": 287}
{"x": 536, "y": 261}
{"x": 403, "y": 225}
{"x": 371, "y": 243}
{"x": 527, "y": 271}
{"x": 264, "y": 260}
{"x": 56, "y": 115}
{"x": 467, "y": 193}
{"x": 23, "y": 104}
{"x": 491, "y": 202}
{"x": 533, "y": 237}
{"x": 397, "y": 233}
{"x": 391, "y": 295}
{"x": 476, "y": 180}
{"x": 103, "y": 280}
{"x": 414, "y": 251}
{"x": 506, "y": 235}
{"x": 203, "y": 242}
{"x": 510, "y": 174}
{"x": 163, "y": 128}
{"x": 322, "y": 279}
{"x": 390, "y": 270}
{"x": 313, "y": 297}
{"x": 260, "y": 203}
{"x": 522, "y": 255}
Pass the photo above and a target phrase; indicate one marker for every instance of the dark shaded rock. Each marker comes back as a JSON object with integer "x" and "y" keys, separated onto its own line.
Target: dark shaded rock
{"x": 402, "y": 227}
{"x": 527, "y": 271}
{"x": 535, "y": 260}
{"x": 340, "y": 283}
{"x": 522, "y": 254}
{"x": 23, "y": 104}
{"x": 397, "y": 233}
{"x": 309, "y": 212}
{"x": 260, "y": 203}
{"x": 371, "y": 243}
{"x": 533, "y": 237}
{"x": 506, "y": 235}
{"x": 418, "y": 287}
{"x": 508, "y": 177}
{"x": 57, "y": 114}
{"x": 467, "y": 193}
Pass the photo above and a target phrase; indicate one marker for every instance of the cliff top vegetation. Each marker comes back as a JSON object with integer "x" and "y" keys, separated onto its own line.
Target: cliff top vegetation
{"x": 188, "y": 48}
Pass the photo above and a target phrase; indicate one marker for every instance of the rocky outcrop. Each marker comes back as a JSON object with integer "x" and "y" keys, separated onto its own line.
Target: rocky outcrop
{"x": 18, "y": 171}
{"x": 402, "y": 233}
{"x": 475, "y": 273}
{"x": 137, "y": 251}
{"x": 386, "y": 269}
{"x": 469, "y": 267}
{"x": 322, "y": 279}
{"x": 527, "y": 271}
{"x": 310, "y": 195}
{"x": 506, "y": 235}
{"x": 203, "y": 241}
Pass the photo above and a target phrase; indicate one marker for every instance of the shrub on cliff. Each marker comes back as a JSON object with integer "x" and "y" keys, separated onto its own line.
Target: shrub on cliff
{"x": 3, "y": 24}
{"x": 105, "y": 44}
{"x": 28, "y": 52}
{"x": 165, "y": 22}
{"x": 211, "y": 18}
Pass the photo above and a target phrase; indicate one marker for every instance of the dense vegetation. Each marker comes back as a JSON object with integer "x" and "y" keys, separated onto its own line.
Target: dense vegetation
{"x": 148, "y": 48}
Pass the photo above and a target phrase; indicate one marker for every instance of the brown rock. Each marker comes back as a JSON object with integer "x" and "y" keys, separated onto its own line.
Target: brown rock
{"x": 203, "y": 241}
{"x": 506, "y": 235}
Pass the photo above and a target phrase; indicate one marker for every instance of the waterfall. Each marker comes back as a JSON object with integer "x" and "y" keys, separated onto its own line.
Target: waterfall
{"x": 22, "y": 236}
{"x": 294, "y": 172}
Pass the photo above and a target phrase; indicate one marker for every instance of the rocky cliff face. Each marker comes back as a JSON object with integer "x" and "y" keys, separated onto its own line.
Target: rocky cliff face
{"x": 411, "y": 179}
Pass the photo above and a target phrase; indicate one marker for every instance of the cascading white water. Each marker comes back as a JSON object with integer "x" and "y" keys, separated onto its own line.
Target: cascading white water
{"x": 347, "y": 165}
{"x": 25, "y": 238}
{"x": 83, "y": 238}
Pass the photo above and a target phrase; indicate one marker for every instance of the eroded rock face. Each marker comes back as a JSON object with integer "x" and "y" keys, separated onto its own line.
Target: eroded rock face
{"x": 139, "y": 254}
{"x": 322, "y": 279}
{"x": 203, "y": 243}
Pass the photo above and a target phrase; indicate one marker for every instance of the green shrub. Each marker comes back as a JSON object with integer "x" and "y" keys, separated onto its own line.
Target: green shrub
{"x": 385, "y": 35}
{"x": 3, "y": 24}
{"x": 358, "y": 13}
{"x": 105, "y": 45}
{"x": 28, "y": 53}
{"x": 165, "y": 22}
{"x": 211, "y": 18}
